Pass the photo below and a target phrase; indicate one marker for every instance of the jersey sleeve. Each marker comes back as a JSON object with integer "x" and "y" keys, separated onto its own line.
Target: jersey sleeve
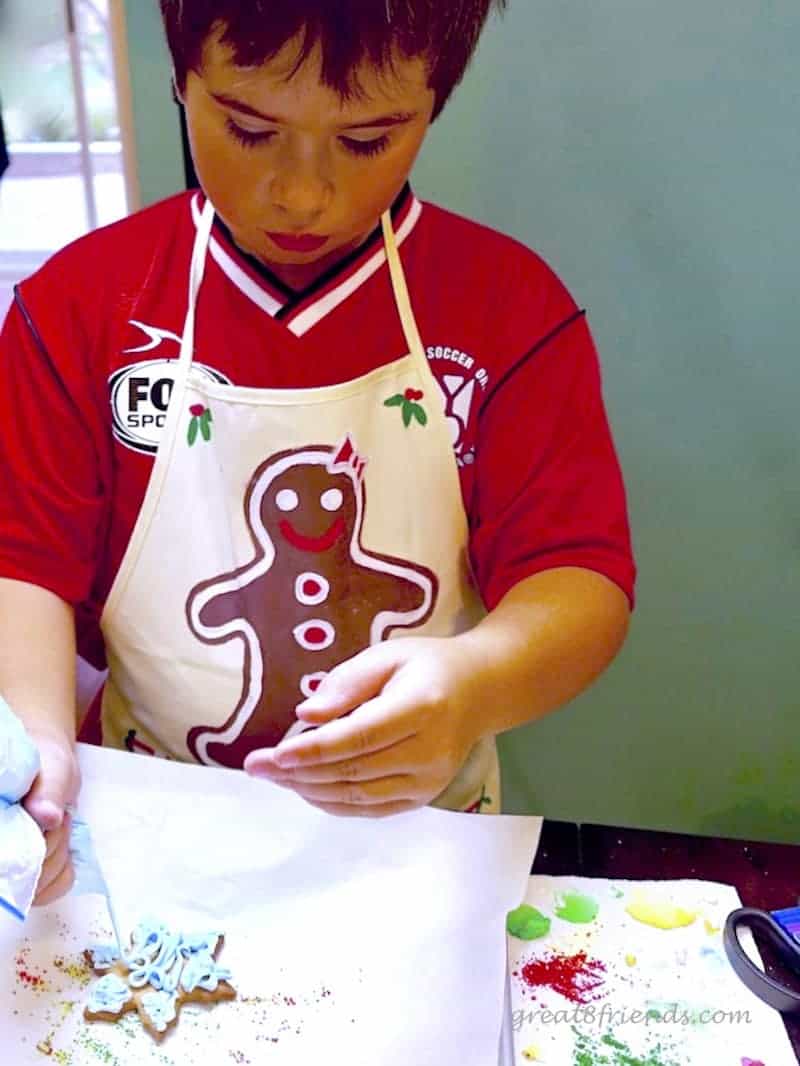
{"x": 548, "y": 487}
{"x": 53, "y": 458}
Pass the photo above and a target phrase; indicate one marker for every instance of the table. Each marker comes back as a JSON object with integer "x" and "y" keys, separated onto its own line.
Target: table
{"x": 765, "y": 875}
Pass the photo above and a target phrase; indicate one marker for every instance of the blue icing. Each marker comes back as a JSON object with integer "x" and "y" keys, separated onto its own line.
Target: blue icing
{"x": 160, "y": 1009}
{"x": 109, "y": 995}
{"x": 201, "y": 971}
{"x": 103, "y": 956}
{"x": 200, "y": 942}
{"x": 159, "y": 961}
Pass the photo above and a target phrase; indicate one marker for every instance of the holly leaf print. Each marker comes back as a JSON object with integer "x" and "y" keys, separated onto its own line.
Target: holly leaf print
{"x": 394, "y": 401}
{"x": 194, "y": 425}
{"x": 419, "y": 414}
{"x": 407, "y": 415}
{"x": 205, "y": 427}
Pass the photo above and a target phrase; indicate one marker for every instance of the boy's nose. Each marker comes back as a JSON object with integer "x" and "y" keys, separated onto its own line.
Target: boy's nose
{"x": 301, "y": 192}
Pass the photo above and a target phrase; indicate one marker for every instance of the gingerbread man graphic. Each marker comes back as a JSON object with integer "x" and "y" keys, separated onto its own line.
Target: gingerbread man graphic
{"x": 311, "y": 597}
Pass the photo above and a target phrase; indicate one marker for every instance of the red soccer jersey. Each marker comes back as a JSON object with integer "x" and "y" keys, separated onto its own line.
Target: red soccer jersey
{"x": 83, "y": 391}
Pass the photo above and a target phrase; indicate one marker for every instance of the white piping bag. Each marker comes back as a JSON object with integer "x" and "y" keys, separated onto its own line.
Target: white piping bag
{"x": 22, "y": 843}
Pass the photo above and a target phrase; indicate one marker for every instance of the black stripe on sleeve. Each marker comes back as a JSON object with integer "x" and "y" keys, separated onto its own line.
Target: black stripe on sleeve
{"x": 37, "y": 340}
{"x": 528, "y": 355}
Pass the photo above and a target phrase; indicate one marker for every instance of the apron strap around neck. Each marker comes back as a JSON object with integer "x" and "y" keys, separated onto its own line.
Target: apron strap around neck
{"x": 199, "y": 255}
{"x": 401, "y": 297}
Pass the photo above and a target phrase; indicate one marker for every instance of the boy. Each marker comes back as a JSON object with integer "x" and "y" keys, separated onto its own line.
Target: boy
{"x": 375, "y": 419}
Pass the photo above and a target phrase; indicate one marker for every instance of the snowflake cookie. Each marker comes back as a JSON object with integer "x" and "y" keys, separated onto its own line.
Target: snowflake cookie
{"x": 160, "y": 972}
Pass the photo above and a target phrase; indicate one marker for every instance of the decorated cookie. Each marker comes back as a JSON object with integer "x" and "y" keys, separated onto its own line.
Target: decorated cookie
{"x": 311, "y": 597}
{"x": 160, "y": 972}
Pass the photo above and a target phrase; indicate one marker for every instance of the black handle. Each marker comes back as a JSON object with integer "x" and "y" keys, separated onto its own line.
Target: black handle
{"x": 761, "y": 984}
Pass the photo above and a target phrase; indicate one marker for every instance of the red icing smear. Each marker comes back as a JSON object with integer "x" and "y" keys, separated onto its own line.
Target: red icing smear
{"x": 576, "y": 977}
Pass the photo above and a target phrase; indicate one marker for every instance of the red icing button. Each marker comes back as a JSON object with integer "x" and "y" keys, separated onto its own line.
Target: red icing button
{"x": 315, "y": 635}
{"x": 311, "y": 587}
{"x": 314, "y": 683}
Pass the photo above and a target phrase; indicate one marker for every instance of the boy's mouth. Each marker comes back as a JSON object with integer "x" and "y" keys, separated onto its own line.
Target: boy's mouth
{"x": 296, "y": 242}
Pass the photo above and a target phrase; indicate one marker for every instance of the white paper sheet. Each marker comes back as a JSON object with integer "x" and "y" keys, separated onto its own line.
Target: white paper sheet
{"x": 707, "y": 1016}
{"x": 365, "y": 941}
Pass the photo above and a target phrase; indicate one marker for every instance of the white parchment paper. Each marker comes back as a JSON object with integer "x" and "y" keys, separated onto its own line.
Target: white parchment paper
{"x": 353, "y": 940}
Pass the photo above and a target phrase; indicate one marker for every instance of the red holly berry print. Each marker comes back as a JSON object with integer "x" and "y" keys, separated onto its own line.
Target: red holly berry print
{"x": 408, "y": 402}
{"x": 200, "y": 423}
{"x": 477, "y": 806}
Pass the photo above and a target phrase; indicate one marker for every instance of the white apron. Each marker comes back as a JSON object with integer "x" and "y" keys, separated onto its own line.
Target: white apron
{"x": 283, "y": 531}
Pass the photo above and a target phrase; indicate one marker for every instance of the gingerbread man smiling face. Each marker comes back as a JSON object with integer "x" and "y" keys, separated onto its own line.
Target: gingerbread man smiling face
{"x": 311, "y": 596}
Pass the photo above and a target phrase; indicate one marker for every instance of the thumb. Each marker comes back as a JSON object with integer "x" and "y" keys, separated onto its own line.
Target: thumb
{"x": 352, "y": 683}
{"x": 56, "y": 785}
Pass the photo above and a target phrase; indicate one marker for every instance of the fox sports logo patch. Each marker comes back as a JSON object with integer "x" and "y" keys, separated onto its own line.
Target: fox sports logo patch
{"x": 140, "y": 396}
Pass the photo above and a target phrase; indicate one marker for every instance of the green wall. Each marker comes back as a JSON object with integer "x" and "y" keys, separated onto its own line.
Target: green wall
{"x": 158, "y": 146}
{"x": 650, "y": 153}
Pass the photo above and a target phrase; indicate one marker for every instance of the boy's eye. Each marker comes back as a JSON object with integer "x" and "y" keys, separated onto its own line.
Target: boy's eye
{"x": 366, "y": 148}
{"x": 249, "y": 138}
{"x": 252, "y": 138}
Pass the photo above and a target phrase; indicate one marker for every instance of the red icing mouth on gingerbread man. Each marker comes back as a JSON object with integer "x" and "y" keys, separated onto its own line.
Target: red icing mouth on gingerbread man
{"x": 311, "y": 596}
{"x": 312, "y": 544}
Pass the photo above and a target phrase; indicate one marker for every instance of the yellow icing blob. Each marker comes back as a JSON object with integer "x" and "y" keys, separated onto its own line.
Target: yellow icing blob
{"x": 531, "y": 1054}
{"x": 710, "y": 929}
{"x": 630, "y": 960}
{"x": 659, "y": 913}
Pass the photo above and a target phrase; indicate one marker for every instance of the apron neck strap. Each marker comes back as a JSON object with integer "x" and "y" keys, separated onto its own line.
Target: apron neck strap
{"x": 199, "y": 255}
{"x": 401, "y": 297}
{"x": 201, "y": 242}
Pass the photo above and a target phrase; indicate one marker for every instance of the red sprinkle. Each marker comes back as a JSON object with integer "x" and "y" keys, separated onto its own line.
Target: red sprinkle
{"x": 576, "y": 977}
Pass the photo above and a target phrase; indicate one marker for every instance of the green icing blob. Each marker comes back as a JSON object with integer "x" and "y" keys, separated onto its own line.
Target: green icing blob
{"x": 576, "y": 908}
{"x": 526, "y": 923}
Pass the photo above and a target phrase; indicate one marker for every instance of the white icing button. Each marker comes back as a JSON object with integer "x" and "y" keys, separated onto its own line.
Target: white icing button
{"x": 311, "y": 589}
{"x": 287, "y": 500}
{"x": 316, "y": 635}
{"x": 332, "y": 500}
{"x": 311, "y": 682}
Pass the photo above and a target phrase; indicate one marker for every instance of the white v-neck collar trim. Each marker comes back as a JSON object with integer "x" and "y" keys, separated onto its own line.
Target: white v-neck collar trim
{"x": 305, "y": 319}
{"x": 257, "y": 293}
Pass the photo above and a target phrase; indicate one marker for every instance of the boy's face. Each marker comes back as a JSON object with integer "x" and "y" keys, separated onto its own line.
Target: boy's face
{"x": 299, "y": 176}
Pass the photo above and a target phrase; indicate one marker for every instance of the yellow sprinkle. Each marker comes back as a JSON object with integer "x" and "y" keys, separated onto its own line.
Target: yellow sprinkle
{"x": 67, "y": 1007}
{"x": 659, "y": 913}
{"x": 45, "y": 1046}
{"x": 631, "y": 960}
{"x": 531, "y": 1054}
{"x": 710, "y": 929}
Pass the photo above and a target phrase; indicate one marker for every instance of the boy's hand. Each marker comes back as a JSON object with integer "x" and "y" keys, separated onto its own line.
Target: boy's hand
{"x": 54, "y": 790}
{"x": 415, "y": 704}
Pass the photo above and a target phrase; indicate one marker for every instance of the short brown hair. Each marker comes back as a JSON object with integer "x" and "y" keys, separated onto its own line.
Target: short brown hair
{"x": 349, "y": 32}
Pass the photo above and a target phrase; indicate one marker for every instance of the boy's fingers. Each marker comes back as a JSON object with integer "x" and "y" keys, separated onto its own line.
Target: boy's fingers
{"x": 55, "y": 787}
{"x": 58, "y": 837}
{"x": 56, "y": 888}
{"x": 350, "y": 684}
{"x": 56, "y": 861}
